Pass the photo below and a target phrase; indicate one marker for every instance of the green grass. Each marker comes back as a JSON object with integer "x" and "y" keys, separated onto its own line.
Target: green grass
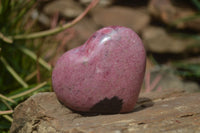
{"x": 189, "y": 71}
{"x": 22, "y": 71}
{"x": 18, "y": 60}
{"x": 196, "y": 3}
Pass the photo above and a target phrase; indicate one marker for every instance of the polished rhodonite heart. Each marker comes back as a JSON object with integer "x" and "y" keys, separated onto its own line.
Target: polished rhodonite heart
{"x": 104, "y": 75}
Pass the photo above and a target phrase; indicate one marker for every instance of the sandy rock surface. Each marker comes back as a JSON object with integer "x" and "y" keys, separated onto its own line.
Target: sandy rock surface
{"x": 171, "y": 110}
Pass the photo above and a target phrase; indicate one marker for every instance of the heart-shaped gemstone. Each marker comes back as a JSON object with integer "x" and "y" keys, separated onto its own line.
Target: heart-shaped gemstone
{"x": 104, "y": 75}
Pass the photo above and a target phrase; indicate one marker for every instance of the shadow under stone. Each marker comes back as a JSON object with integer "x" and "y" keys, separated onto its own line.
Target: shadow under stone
{"x": 113, "y": 106}
{"x": 105, "y": 107}
{"x": 143, "y": 103}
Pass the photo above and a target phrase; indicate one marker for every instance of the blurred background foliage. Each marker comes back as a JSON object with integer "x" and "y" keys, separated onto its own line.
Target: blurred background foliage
{"x": 22, "y": 70}
{"x": 25, "y": 68}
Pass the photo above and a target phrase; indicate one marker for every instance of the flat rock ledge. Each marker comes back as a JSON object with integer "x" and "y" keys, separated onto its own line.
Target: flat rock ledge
{"x": 169, "y": 111}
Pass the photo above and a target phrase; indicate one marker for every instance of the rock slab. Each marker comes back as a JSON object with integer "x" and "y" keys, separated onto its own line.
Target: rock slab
{"x": 168, "y": 111}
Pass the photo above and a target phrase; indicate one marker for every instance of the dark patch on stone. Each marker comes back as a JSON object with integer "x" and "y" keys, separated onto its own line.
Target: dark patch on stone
{"x": 108, "y": 106}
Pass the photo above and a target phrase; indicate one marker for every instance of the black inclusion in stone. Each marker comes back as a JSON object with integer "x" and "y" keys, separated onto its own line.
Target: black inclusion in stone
{"x": 108, "y": 106}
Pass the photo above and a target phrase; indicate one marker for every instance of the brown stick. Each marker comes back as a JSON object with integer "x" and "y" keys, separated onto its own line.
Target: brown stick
{"x": 57, "y": 29}
{"x": 6, "y": 112}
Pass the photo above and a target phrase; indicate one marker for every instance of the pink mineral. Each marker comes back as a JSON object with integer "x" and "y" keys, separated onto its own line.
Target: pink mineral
{"x": 104, "y": 75}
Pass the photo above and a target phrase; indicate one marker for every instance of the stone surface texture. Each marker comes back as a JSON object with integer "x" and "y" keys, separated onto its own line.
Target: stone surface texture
{"x": 169, "y": 111}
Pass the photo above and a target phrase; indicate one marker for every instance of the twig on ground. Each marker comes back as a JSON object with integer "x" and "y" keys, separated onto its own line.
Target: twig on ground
{"x": 6, "y": 112}
{"x": 59, "y": 28}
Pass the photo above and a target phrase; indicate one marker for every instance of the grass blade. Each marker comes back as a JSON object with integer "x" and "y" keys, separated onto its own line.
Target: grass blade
{"x": 13, "y": 73}
{"x": 31, "y": 75}
{"x": 8, "y": 118}
{"x": 5, "y": 39}
{"x": 28, "y": 91}
{"x": 34, "y": 57}
{"x": 196, "y": 3}
{"x": 6, "y": 98}
{"x": 7, "y": 104}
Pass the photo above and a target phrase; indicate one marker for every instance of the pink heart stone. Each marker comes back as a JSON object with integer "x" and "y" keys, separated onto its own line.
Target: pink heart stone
{"x": 104, "y": 75}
